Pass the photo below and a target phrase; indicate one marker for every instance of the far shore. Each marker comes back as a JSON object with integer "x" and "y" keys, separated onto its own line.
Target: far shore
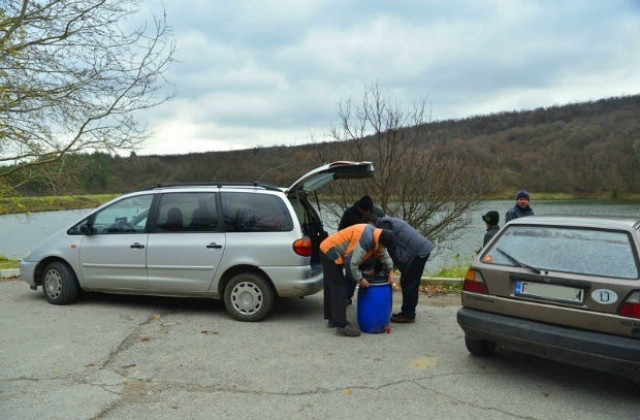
{"x": 21, "y": 204}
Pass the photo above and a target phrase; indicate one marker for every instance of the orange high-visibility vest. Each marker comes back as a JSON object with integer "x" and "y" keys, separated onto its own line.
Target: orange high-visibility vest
{"x": 342, "y": 243}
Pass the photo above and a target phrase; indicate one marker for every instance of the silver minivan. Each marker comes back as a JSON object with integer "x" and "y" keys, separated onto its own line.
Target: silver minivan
{"x": 245, "y": 243}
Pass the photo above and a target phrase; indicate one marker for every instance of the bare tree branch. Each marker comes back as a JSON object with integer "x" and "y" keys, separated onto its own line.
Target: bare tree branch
{"x": 420, "y": 179}
{"x": 73, "y": 74}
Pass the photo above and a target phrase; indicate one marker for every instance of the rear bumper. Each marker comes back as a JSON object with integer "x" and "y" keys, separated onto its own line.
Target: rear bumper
{"x": 296, "y": 281}
{"x": 604, "y": 352}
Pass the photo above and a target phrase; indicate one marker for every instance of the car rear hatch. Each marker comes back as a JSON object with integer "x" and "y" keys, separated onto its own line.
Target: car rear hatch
{"x": 586, "y": 278}
{"x": 321, "y": 176}
{"x": 310, "y": 182}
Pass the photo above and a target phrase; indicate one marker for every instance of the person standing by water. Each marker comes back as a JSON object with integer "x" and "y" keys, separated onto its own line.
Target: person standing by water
{"x": 491, "y": 219}
{"x": 521, "y": 209}
{"x": 348, "y": 248}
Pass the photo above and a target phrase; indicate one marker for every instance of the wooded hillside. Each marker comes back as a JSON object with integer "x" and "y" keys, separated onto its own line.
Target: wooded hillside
{"x": 585, "y": 148}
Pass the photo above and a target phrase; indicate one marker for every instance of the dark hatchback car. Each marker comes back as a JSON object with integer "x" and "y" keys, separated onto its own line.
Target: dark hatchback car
{"x": 559, "y": 287}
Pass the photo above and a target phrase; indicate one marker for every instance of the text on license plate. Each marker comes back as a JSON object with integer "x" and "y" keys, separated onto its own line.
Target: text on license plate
{"x": 549, "y": 291}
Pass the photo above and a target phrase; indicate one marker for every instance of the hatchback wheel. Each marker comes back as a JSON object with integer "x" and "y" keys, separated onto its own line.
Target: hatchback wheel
{"x": 248, "y": 297}
{"x": 479, "y": 347}
{"x": 59, "y": 283}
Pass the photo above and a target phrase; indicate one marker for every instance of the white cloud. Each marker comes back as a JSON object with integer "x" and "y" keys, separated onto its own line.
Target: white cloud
{"x": 259, "y": 73}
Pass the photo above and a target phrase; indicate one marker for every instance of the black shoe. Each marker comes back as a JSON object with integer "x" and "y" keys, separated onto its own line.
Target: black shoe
{"x": 402, "y": 319}
{"x": 348, "y": 331}
{"x": 330, "y": 324}
{"x": 349, "y": 301}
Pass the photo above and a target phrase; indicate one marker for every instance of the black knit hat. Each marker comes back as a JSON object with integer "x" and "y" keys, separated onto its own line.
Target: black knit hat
{"x": 491, "y": 217}
{"x": 386, "y": 238}
{"x": 365, "y": 203}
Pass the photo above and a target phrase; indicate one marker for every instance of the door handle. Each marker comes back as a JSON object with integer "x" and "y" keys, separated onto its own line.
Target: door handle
{"x": 137, "y": 245}
{"x": 214, "y": 245}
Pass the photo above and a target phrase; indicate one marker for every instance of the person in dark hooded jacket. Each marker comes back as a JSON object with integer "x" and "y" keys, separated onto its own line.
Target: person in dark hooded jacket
{"x": 491, "y": 219}
{"x": 410, "y": 252}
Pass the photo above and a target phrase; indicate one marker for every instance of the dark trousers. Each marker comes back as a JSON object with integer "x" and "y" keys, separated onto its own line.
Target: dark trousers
{"x": 335, "y": 292}
{"x": 410, "y": 283}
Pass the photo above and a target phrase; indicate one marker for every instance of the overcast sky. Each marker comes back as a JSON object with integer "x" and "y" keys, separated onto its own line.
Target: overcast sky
{"x": 273, "y": 72}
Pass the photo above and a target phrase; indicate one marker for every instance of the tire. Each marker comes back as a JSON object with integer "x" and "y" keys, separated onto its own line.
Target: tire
{"x": 59, "y": 283}
{"x": 479, "y": 347}
{"x": 248, "y": 297}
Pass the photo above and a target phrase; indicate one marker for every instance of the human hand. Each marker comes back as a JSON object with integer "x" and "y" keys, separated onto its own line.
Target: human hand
{"x": 392, "y": 277}
{"x": 364, "y": 283}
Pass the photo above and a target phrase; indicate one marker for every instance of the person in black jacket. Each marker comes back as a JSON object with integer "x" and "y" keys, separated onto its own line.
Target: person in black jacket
{"x": 522, "y": 208}
{"x": 352, "y": 216}
{"x": 491, "y": 219}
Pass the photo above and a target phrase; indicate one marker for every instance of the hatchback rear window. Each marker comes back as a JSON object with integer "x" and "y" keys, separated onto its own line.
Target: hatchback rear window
{"x": 575, "y": 250}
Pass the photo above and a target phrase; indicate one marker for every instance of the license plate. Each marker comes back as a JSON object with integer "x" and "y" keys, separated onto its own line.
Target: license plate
{"x": 549, "y": 291}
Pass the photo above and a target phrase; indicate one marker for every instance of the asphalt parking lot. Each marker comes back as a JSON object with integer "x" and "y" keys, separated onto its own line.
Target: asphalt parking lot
{"x": 127, "y": 357}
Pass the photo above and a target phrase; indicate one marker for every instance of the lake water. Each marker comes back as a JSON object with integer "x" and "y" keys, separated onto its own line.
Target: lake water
{"x": 19, "y": 232}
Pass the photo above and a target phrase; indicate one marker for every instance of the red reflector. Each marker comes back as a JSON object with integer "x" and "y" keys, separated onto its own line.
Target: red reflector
{"x": 302, "y": 247}
{"x": 474, "y": 286}
{"x": 473, "y": 283}
{"x": 631, "y": 310}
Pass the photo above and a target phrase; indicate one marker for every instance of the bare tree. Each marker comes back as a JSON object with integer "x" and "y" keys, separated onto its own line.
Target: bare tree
{"x": 72, "y": 75}
{"x": 419, "y": 178}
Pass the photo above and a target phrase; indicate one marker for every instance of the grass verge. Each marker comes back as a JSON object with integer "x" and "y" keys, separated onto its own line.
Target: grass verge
{"x": 11, "y": 205}
{"x": 6, "y": 263}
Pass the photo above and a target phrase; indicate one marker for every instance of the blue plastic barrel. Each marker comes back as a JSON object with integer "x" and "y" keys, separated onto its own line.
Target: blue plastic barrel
{"x": 374, "y": 306}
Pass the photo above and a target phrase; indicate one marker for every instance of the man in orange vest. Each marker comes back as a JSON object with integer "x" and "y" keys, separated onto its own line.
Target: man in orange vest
{"x": 349, "y": 248}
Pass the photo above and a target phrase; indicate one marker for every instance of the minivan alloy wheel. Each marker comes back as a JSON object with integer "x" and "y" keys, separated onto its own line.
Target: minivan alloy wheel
{"x": 248, "y": 297}
{"x": 52, "y": 282}
{"x": 59, "y": 283}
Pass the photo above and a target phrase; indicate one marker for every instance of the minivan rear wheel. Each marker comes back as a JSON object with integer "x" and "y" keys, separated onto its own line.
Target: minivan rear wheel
{"x": 248, "y": 297}
{"x": 479, "y": 347}
{"x": 59, "y": 283}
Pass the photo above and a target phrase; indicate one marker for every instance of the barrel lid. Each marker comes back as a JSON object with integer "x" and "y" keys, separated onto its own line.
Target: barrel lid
{"x": 381, "y": 278}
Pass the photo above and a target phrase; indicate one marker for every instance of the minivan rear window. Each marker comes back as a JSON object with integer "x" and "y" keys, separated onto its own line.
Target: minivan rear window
{"x": 567, "y": 249}
{"x": 250, "y": 212}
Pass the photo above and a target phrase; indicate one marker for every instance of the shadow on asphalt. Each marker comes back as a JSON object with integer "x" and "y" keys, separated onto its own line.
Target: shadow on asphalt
{"x": 284, "y": 309}
{"x": 548, "y": 374}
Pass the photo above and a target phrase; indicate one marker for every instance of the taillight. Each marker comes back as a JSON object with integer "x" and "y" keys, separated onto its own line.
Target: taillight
{"x": 302, "y": 247}
{"x": 473, "y": 282}
{"x": 631, "y": 306}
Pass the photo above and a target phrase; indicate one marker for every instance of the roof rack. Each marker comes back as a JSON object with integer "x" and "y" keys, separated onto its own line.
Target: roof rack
{"x": 217, "y": 184}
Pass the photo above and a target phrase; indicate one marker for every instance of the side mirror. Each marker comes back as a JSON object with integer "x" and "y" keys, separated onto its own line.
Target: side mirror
{"x": 86, "y": 229}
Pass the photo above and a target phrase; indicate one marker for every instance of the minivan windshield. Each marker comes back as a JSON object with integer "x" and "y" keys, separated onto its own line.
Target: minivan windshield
{"x": 568, "y": 249}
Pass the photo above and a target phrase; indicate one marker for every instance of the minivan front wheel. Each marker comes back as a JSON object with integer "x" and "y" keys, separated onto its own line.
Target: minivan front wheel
{"x": 479, "y": 347}
{"x": 248, "y": 297}
{"x": 59, "y": 283}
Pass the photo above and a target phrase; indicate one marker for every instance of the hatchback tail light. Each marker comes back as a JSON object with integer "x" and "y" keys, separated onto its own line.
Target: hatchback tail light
{"x": 473, "y": 282}
{"x": 631, "y": 306}
{"x": 302, "y": 246}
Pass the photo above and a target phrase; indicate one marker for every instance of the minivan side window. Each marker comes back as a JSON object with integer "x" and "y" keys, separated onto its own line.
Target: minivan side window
{"x": 251, "y": 212}
{"x": 187, "y": 212}
{"x": 128, "y": 215}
